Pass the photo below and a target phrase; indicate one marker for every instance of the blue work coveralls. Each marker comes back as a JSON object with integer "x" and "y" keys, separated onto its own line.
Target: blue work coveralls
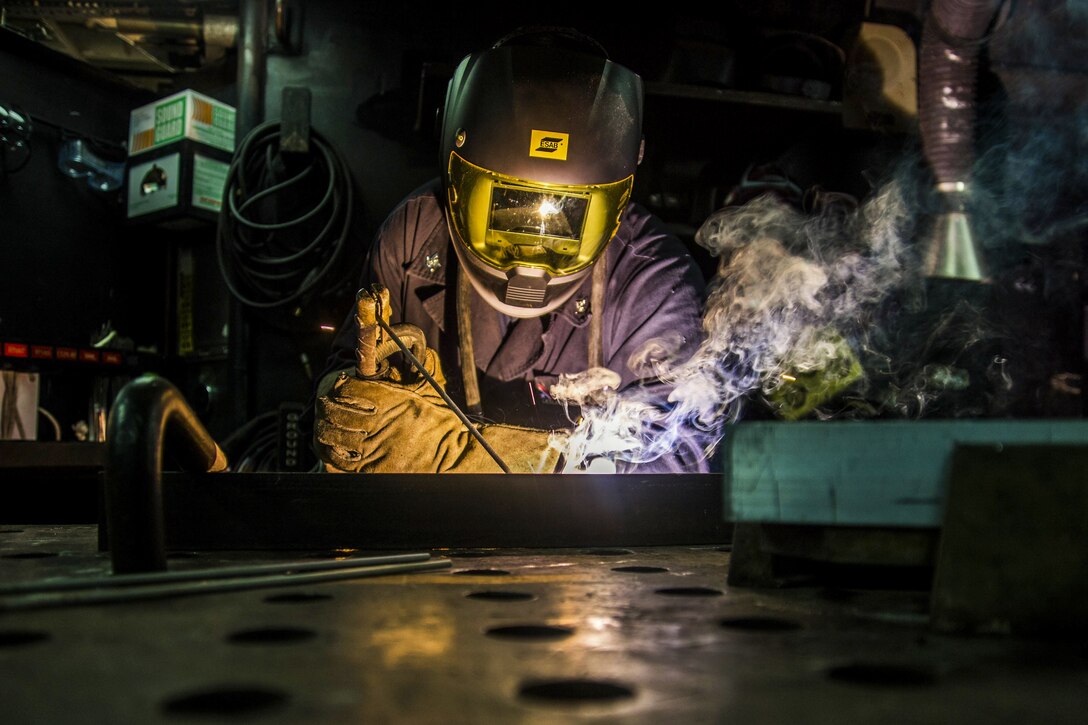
{"x": 655, "y": 292}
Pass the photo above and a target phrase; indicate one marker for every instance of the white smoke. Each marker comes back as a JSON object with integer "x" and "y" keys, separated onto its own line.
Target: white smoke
{"x": 839, "y": 295}
{"x": 791, "y": 289}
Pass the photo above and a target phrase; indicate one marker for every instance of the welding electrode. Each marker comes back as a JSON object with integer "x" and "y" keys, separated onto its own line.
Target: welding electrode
{"x": 369, "y": 306}
{"x": 372, "y": 311}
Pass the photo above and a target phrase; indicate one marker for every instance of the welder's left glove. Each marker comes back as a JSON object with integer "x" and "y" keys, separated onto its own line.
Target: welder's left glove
{"x": 379, "y": 426}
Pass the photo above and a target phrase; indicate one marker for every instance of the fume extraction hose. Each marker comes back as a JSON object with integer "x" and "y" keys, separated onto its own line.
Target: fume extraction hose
{"x": 952, "y": 39}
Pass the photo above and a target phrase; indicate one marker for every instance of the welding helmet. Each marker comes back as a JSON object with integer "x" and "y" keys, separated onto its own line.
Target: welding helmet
{"x": 541, "y": 134}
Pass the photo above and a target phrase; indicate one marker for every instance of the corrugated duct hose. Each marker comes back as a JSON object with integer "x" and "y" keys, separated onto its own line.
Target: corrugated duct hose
{"x": 952, "y": 37}
{"x": 285, "y": 222}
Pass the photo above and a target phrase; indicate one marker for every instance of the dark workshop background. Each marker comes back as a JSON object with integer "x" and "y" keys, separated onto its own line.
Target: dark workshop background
{"x": 729, "y": 85}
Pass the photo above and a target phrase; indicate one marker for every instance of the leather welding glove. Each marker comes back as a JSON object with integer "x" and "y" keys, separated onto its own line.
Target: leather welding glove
{"x": 381, "y": 426}
{"x": 395, "y": 375}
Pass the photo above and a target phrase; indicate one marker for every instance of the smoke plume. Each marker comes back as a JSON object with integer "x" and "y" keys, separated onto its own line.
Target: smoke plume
{"x": 823, "y": 312}
{"x": 794, "y": 295}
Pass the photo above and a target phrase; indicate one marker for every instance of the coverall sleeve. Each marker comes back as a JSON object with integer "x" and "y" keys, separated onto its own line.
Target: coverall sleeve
{"x": 396, "y": 242}
{"x": 654, "y": 310}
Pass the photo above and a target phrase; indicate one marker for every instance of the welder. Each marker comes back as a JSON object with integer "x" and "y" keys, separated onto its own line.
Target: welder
{"x": 525, "y": 260}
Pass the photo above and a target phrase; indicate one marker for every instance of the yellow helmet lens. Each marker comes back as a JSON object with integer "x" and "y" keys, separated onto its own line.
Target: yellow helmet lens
{"x": 509, "y": 222}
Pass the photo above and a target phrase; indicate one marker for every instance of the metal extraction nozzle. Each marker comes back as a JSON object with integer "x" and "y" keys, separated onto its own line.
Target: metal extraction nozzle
{"x": 953, "y": 35}
{"x": 952, "y": 251}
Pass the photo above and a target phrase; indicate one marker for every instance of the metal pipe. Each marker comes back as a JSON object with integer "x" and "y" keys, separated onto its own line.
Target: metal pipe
{"x": 222, "y": 572}
{"x": 220, "y": 31}
{"x": 252, "y": 70}
{"x": 163, "y": 591}
{"x": 148, "y": 415}
{"x": 250, "y": 80}
{"x": 214, "y": 30}
{"x": 280, "y": 23}
{"x": 170, "y": 27}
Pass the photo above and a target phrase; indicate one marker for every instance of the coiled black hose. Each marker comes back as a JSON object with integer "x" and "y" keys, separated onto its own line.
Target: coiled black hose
{"x": 285, "y": 219}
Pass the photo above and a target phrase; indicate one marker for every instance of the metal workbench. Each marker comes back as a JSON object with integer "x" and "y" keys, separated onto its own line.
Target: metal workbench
{"x": 640, "y": 635}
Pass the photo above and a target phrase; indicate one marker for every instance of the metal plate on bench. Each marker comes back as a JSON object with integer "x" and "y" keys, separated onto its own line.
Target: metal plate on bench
{"x": 862, "y": 473}
{"x": 409, "y": 511}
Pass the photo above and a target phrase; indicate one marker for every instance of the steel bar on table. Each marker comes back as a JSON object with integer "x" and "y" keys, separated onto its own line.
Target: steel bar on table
{"x": 165, "y": 591}
{"x": 222, "y": 572}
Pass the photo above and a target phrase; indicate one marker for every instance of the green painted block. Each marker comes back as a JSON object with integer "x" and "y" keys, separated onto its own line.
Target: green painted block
{"x": 861, "y": 473}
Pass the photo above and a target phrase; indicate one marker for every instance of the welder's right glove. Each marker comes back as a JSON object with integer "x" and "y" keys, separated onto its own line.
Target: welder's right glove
{"x": 380, "y": 426}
